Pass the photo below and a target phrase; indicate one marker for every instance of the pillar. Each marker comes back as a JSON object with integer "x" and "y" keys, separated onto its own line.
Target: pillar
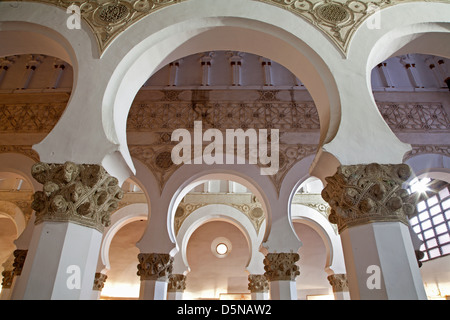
{"x": 372, "y": 213}
{"x": 154, "y": 270}
{"x": 281, "y": 272}
{"x": 339, "y": 284}
{"x": 99, "y": 283}
{"x": 176, "y": 287}
{"x": 258, "y": 286}
{"x": 72, "y": 210}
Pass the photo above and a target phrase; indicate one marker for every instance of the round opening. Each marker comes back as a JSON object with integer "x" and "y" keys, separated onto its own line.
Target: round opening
{"x": 221, "y": 248}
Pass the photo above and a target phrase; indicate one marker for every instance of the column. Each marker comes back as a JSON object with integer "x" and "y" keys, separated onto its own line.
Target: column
{"x": 176, "y": 287}
{"x": 7, "y": 282}
{"x": 72, "y": 210}
{"x": 258, "y": 286}
{"x": 99, "y": 283}
{"x": 154, "y": 270}
{"x": 372, "y": 213}
{"x": 281, "y": 272}
{"x": 339, "y": 284}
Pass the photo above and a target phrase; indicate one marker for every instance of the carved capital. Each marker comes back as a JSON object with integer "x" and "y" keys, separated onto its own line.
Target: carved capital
{"x": 155, "y": 266}
{"x": 19, "y": 260}
{"x": 281, "y": 266}
{"x": 258, "y": 283}
{"x": 79, "y": 193}
{"x": 99, "y": 281}
{"x": 338, "y": 282}
{"x": 360, "y": 194}
{"x": 177, "y": 283}
{"x": 7, "y": 280}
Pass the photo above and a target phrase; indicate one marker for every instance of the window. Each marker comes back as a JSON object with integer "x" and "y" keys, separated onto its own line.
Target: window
{"x": 432, "y": 223}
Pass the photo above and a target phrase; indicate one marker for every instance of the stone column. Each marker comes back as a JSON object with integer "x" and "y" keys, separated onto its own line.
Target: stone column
{"x": 371, "y": 211}
{"x": 7, "y": 283}
{"x": 154, "y": 270}
{"x": 176, "y": 287}
{"x": 258, "y": 286}
{"x": 339, "y": 284}
{"x": 281, "y": 272}
{"x": 99, "y": 283}
{"x": 71, "y": 212}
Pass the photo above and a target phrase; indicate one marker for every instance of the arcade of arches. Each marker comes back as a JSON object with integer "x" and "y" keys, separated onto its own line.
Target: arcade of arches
{"x": 100, "y": 199}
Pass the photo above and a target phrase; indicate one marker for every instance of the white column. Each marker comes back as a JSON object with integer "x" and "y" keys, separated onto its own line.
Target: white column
{"x": 372, "y": 213}
{"x": 60, "y": 263}
{"x": 154, "y": 270}
{"x": 153, "y": 290}
{"x": 381, "y": 262}
{"x": 71, "y": 213}
{"x": 281, "y": 272}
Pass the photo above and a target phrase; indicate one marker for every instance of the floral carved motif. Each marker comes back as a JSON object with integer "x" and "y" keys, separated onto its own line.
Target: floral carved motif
{"x": 360, "y": 194}
{"x": 177, "y": 283}
{"x": 99, "y": 281}
{"x": 281, "y": 266}
{"x": 258, "y": 283}
{"x": 338, "y": 282}
{"x": 155, "y": 266}
{"x": 82, "y": 194}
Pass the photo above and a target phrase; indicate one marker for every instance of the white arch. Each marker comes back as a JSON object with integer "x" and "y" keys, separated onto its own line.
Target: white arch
{"x": 435, "y": 166}
{"x": 194, "y": 26}
{"x": 10, "y": 211}
{"x": 122, "y": 217}
{"x": 224, "y": 213}
{"x": 335, "y": 257}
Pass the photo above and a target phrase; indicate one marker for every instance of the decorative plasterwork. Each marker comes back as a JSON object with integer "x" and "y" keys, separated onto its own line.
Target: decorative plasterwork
{"x": 281, "y": 266}
{"x": 360, "y": 194}
{"x": 337, "y": 19}
{"x": 258, "y": 283}
{"x": 177, "y": 283}
{"x": 99, "y": 281}
{"x": 155, "y": 266}
{"x": 418, "y": 149}
{"x": 82, "y": 194}
{"x": 252, "y": 210}
{"x": 338, "y": 282}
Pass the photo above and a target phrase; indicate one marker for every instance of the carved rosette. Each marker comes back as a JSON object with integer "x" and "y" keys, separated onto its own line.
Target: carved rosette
{"x": 258, "y": 283}
{"x": 155, "y": 266}
{"x": 80, "y": 193}
{"x": 281, "y": 266}
{"x": 338, "y": 282}
{"x": 99, "y": 281}
{"x": 360, "y": 194}
{"x": 19, "y": 261}
{"x": 177, "y": 283}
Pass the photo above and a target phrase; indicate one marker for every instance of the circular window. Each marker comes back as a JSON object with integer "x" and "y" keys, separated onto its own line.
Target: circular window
{"x": 221, "y": 247}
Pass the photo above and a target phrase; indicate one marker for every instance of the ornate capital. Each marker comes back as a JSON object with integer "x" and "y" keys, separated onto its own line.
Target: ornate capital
{"x": 19, "y": 260}
{"x": 177, "y": 283}
{"x": 258, "y": 283}
{"x": 80, "y": 193}
{"x": 360, "y": 194}
{"x": 338, "y": 282}
{"x": 99, "y": 281}
{"x": 7, "y": 280}
{"x": 281, "y": 266}
{"x": 155, "y": 266}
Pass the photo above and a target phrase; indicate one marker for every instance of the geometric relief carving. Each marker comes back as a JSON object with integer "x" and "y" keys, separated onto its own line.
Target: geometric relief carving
{"x": 427, "y": 149}
{"x": 337, "y": 19}
{"x": 39, "y": 117}
{"x": 415, "y": 116}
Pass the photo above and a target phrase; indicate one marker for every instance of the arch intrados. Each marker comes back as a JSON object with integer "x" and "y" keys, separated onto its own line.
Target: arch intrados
{"x": 122, "y": 217}
{"x": 201, "y": 216}
{"x": 207, "y": 34}
{"x": 34, "y": 39}
{"x": 215, "y": 174}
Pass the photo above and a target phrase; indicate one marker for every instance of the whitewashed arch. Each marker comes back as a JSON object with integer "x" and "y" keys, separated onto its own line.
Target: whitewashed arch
{"x": 120, "y": 218}
{"x": 204, "y": 25}
{"x": 435, "y": 166}
{"x": 335, "y": 263}
{"x": 11, "y": 211}
{"x": 229, "y": 214}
